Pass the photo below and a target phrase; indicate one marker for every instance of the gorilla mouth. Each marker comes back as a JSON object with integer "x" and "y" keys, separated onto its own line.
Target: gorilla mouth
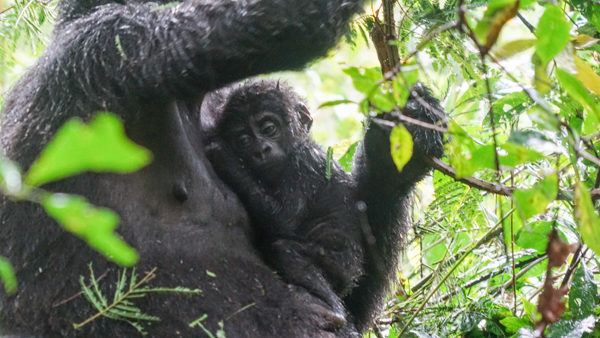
{"x": 269, "y": 166}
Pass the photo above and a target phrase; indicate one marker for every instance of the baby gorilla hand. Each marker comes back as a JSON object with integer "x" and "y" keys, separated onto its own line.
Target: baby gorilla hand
{"x": 421, "y": 106}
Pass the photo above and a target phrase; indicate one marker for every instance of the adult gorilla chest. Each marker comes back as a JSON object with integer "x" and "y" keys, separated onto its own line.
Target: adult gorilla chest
{"x": 177, "y": 201}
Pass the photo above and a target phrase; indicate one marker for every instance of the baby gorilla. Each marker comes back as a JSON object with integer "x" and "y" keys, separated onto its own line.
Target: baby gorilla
{"x": 308, "y": 226}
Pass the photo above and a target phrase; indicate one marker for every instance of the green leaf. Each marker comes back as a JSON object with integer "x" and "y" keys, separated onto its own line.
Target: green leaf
{"x": 583, "y": 297}
{"x": 335, "y": 103}
{"x": 401, "y": 146}
{"x": 467, "y": 157}
{"x": 514, "y": 324}
{"x": 534, "y": 236}
{"x": 403, "y": 83}
{"x": 7, "y": 274}
{"x": 510, "y": 104}
{"x": 460, "y": 151}
{"x": 100, "y": 146}
{"x": 347, "y": 159}
{"x": 579, "y": 93}
{"x": 510, "y": 154}
{"x": 329, "y": 163}
{"x": 552, "y": 33}
{"x": 435, "y": 250}
{"x": 587, "y": 219}
{"x": 93, "y": 225}
{"x": 535, "y": 200}
{"x": 364, "y": 79}
{"x": 382, "y": 100}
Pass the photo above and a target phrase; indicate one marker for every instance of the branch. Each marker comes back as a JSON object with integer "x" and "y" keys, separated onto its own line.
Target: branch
{"x": 382, "y": 34}
{"x": 494, "y": 188}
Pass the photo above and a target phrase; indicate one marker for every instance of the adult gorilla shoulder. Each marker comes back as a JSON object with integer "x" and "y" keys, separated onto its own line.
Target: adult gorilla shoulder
{"x": 152, "y": 64}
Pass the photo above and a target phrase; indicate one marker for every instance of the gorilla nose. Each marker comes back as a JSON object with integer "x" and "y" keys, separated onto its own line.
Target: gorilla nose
{"x": 262, "y": 153}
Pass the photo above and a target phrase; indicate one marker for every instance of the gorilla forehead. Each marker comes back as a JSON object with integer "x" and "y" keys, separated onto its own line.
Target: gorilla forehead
{"x": 256, "y": 96}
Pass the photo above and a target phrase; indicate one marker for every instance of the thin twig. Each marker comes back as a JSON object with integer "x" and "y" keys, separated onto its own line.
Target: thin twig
{"x": 579, "y": 254}
{"x": 65, "y": 301}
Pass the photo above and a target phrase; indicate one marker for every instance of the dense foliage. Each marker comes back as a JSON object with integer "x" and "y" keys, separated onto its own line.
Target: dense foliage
{"x": 506, "y": 235}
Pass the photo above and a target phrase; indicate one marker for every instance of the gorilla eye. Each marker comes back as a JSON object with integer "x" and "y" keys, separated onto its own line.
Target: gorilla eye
{"x": 268, "y": 129}
{"x": 243, "y": 140}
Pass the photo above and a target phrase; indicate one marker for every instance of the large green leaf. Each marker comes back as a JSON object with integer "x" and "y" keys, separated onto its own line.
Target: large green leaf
{"x": 552, "y": 33}
{"x": 93, "y": 225}
{"x": 534, "y": 236}
{"x": 587, "y": 218}
{"x": 100, "y": 146}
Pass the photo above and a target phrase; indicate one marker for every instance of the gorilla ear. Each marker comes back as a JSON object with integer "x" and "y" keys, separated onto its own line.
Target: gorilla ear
{"x": 305, "y": 117}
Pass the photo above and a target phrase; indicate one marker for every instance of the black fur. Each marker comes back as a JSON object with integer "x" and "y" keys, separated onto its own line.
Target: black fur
{"x": 300, "y": 197}
{"x": 308, "y": 224}
{"x": 387, "y": 196}
{"x": 152, "y": 64}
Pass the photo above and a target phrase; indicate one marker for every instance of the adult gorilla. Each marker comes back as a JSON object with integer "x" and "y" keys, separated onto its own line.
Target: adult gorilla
{"x": 152, "y": 64}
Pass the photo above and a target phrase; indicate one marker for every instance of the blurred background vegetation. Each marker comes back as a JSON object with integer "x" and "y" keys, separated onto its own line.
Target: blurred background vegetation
{"x": 506, "y": 234}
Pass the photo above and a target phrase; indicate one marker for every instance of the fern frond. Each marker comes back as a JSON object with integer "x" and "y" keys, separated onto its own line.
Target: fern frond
{"x": 122, "y": 307}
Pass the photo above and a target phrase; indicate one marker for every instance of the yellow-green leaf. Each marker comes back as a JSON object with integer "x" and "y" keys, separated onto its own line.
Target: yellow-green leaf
{"x": 512, "y": 48}
{"x": 401, "y": 146}
{"x": 587, "y": 218}
{"x": 541, "y": 80}
{"x": 587, "y": 76}
{"x": 583, "y": 41}
{"x": 579, "y": 93}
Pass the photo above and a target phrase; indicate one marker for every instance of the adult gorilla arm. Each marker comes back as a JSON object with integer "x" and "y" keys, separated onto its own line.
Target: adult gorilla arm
{"x": 121, "y": 51}
{"x": 386, "y": 193}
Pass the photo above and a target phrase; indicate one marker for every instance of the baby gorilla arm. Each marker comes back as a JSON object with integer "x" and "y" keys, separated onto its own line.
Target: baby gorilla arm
{"x": 386, "y": 193}
{"x": 266, "y": 211}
